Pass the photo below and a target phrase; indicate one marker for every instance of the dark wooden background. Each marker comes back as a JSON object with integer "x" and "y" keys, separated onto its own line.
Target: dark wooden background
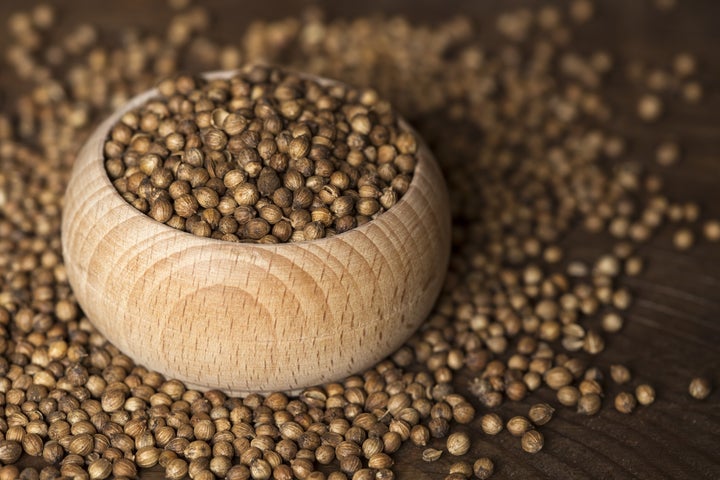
{"x": 673, "y": 330}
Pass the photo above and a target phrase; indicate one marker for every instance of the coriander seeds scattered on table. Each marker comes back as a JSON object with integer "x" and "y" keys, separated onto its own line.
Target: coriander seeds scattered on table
{"x": 526, "y": 135}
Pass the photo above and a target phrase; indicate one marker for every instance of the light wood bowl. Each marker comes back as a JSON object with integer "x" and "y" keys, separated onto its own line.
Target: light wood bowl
{"x": 245, "y": 317}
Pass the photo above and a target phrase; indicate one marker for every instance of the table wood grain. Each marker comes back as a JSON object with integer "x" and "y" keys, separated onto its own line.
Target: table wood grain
{"x": 673, "y": 330}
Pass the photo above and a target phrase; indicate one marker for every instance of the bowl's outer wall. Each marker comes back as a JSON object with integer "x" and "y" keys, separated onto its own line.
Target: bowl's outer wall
{"x": 247, "y": 317}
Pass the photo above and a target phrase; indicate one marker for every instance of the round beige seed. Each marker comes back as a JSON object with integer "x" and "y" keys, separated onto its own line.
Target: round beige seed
{"x": 625, "y": 402}
{"x": 540, "y": 413}
{"x": 700, "y": 388}
{"x": 645, "y": 394}
{"x": 558, "y": 377}
{"x": 532, "y": 441}
{"x": 458, "y": 443}
{"x": 620, "y": 374}
{"x": 517, "y": 426}
{"x": 483, "y": 468}
{"x": 589, "y": 404}
{"x": 683, "y": 239}
{"x": 491, "y": 423}
{"x": 649, "y": 108}
{"x": 667, "y": 154}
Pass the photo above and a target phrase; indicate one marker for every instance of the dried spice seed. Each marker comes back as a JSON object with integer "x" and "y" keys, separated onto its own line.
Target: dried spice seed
{"x": 517, "y": 426}
{"x": 625, "y": 402}
{"x": 589, "y": 404}
{"x": 649, "y": 108}
{"x": 612, "y": 322}
{"x": 700, "y": 388}
{"x": 568, "y": 396}
{"x": 532, "y": 441}
{"x": 711, "y": 230}
{"x": 420, "y": 435}
{"x": 10, "y": 451}
{"x": 558, "y": 377}
{"x": 620, "y": 374}
{"x": 431, "y": 454}
{"x": 683, "y": 239}
{"x": 540, "y": 413}
{"x": 667, "y": 154}
{"x": 491, "y": 423}
{"x": 645, "y": 394}
{"x": 458, "y": 443}
{"x": 483, "y": 468}
{"x": 462, "y": 468}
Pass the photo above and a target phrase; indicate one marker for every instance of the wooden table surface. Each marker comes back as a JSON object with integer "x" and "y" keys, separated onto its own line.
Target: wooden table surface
{"x": 673, "y": 330}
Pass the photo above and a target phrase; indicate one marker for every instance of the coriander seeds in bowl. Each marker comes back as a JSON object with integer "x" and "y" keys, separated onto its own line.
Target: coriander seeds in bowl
{"x": 256, "y": 230}
{"x": 262, "y": 156}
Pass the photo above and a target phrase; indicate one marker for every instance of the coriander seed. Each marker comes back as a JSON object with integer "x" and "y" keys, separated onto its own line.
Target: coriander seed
{"x": 568, "y": 395}
{"x": 558, "y": 377}
{"x": 483, "y": 468}
{"x": 625, "y": 402}
{"x": 420, "y": 435}
{"x": 612, "y": 322}
{"x": 711, "y": 230}
{"x": 649, "y": 108}
{"x": 590, "y": 386}
{"x": 10, "y": 451}
{"x": 540, "y": 413}
{"x": 431, "y": 454}
{"x": 517, "y": 426}
{"x": 532, "y": 441}
{"x": 667, "y": 153}
{"x": 620, "y": 374}
{"x": 700, "y": 388}
{"x": 645, "y": 394}
{"x": 589, "y": 404}
{"x": 462, "y": 468}
{"x": 491, "y": 423}
{"x": 683, "y": 239}
{"x": 458, "y": 443}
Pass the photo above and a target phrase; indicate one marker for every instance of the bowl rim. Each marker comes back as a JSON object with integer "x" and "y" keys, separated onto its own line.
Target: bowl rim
{"x": 424, "y": 157}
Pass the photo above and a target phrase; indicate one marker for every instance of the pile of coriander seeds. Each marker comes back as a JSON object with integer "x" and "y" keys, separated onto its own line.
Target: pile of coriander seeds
{"x": 525, "y": 136}
{"x": 265, "y": 155}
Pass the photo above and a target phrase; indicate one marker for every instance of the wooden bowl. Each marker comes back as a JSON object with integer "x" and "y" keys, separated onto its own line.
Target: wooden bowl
{"x": 245, "y": 317}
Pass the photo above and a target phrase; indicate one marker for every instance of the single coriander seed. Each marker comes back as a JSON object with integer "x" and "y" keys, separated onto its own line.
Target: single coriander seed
{"x": 620, "y": 374}
{"x": 568, "y": 396}
{"x": 431, "y": 454}
{"x": 558, "y": 377}
{"x": 667, "y": 154}
{"x": 700, "y": 388}
{"x": 683, "y": 239}
{"x": 532, "y": 441}
{"x": 483, "y": 468}
{"x": 541, "y": 413}
{"x": 625, "y": 402}
{"x": 517, "y": 426}
{"x": 458, "y": 443}
{"x": 711, "y": 230}
{"x": 491, "y": 423}
{"x": 462, "y": 468}
{"x": 589, "y": 404}
{"x": 649, "y": 108}
{"x": 645, "y": 394}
